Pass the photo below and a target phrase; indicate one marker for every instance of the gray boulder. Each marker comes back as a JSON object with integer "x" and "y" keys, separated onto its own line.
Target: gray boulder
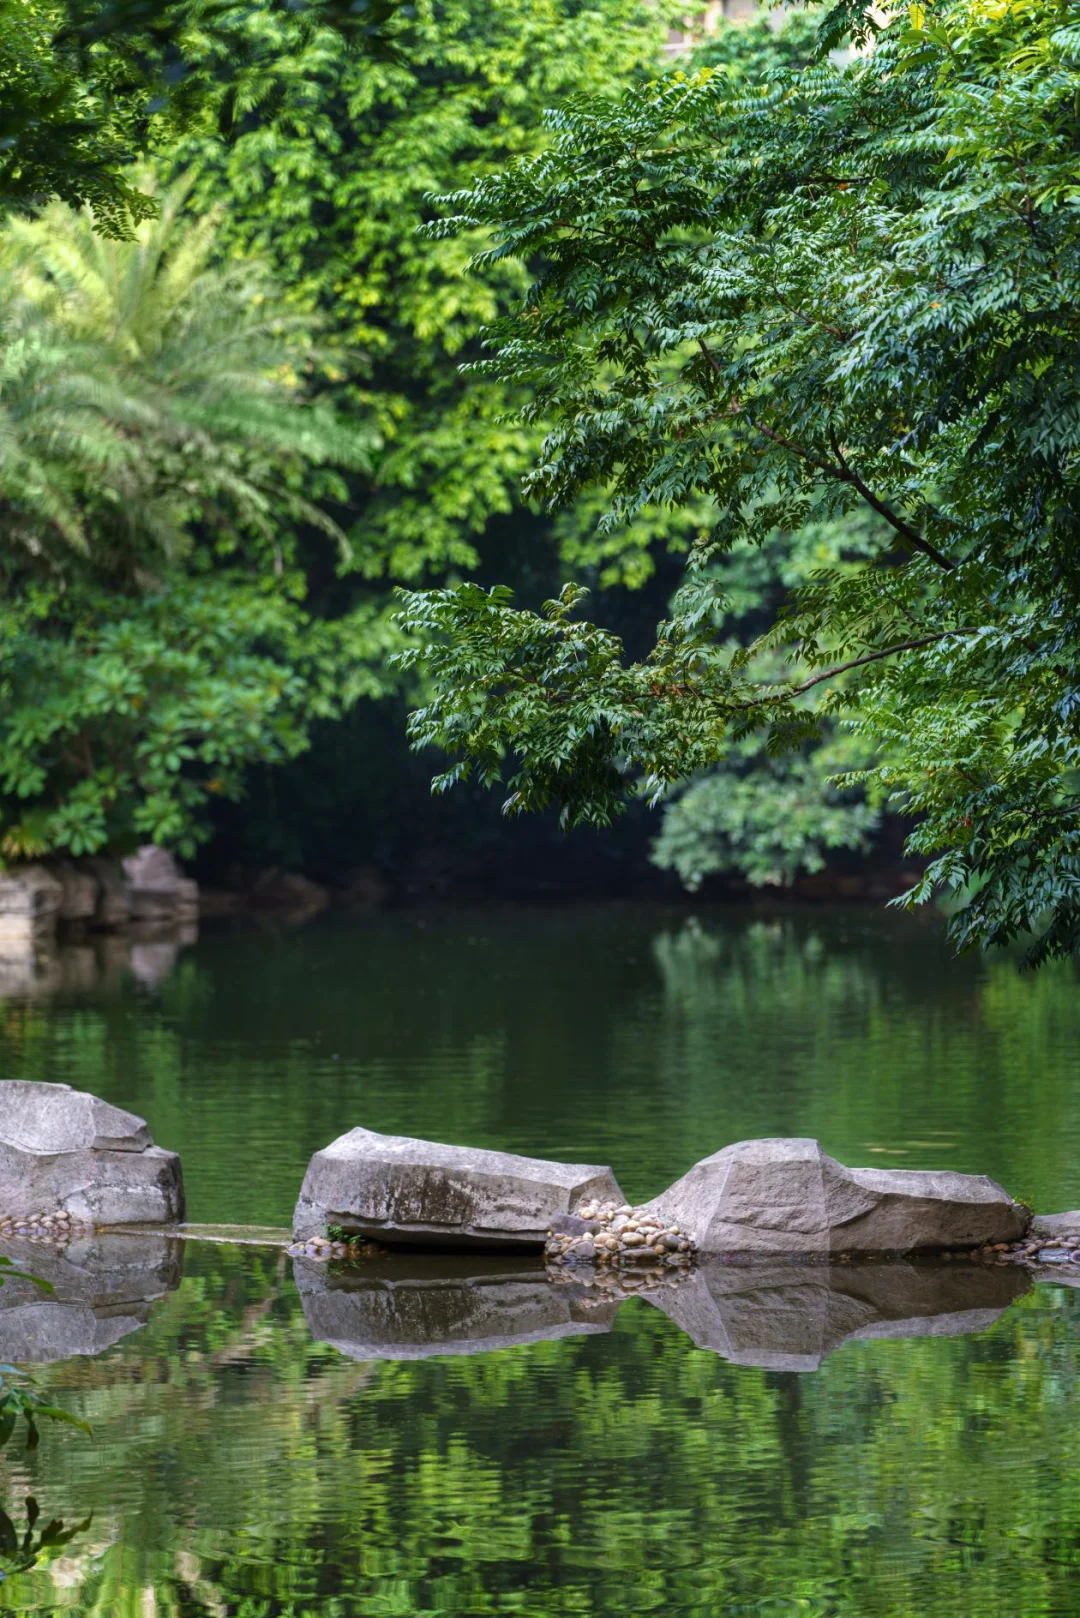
{"x": 422, "y": 1193}
{"x": 1053, "y": 1226}
{"x": 411, "y": 1310}
{"x": 62, "y": 1150}
{"x": 103, "y": 1288}
{"x": 159, "y": 889}
{"x": 787, "y": 1316}
{"x": 29, "y": 903}
{"x": 788, "y": 1196}
{"x": 114, "y": 893}
{"x": 79, "y": 891}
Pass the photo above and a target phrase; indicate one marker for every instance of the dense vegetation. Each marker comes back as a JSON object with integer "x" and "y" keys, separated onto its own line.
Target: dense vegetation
{"x": 805, "y": 322}
{"x": 844, "y": 288}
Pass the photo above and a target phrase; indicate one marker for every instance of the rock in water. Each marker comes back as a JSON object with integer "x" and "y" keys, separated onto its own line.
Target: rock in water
{"x": 421, "y": 1193}
{"x": 1057, "y": 1225}
{"x": 159, "y": 890}
{"x": 788, "y": 1196}
{"x": 64, "y": 1150}
{"x": 29, "y": 902}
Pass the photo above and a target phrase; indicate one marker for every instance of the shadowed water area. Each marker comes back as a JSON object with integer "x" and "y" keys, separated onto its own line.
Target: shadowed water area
{"x": 414, "y": 1439}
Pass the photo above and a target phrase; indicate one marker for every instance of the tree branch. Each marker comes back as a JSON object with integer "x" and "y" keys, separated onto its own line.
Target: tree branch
{"x": 842, "y": 472}
{"x": 913, "y": 537}
{"x": 855, "y": 663}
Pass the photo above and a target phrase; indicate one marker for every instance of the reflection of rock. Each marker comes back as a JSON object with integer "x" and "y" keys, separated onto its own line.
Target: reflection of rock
{"x": 789, "y": 1316}
{"x": 788, "y": 1196}
{"x": 423, "y": 1193}
{"x": 145, "y": 952}
{"x": 405, "y": 1309}
{"x": 103, "y": 1288}
{"x": 63, "y": 1149}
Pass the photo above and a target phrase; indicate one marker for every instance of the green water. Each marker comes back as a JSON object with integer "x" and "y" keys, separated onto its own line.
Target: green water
{"x": 241, "y": 1467}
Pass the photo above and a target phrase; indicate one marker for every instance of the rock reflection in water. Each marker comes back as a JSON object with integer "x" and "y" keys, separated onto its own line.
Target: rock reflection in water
{"x": 781, "y": 1316}
{"x": 789, "y": 1316}
{"x": 411, "y": 1308}
{"x": 97, "y": 962}
{"x": 103, "y": 1288}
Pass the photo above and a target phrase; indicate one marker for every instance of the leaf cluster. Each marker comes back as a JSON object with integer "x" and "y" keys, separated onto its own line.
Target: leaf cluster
{"x": 846, "y": 287}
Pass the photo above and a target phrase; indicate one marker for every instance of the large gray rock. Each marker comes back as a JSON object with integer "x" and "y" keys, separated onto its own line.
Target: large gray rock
{"x": 159, "y": 890}
{"x": 103, "y": 1288}
{"x": 421, "y": 1193}
{"x": 1053, "y": 1226}
{"x": 787, "y": 1316}
{"x": 411, "y": 1310}
{"x": 788, "y": 1196}
{"x": 79, "y": 891}
{"x": 114, "y": 893}
{"x": 64, "y": 1150}
{"x": 30, "y": 899}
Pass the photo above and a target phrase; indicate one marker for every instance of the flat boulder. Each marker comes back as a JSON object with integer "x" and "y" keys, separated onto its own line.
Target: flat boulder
{"x": 421, "y": 1193}
{"x": 786, "y": 1196}
{"x": 64, "y": 1151}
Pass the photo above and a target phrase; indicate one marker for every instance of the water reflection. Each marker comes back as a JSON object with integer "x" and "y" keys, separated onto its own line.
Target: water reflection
{"x": 788, "y": 1317}
{"x": 102, "y": 1288}
{"x": 98, "y": 963}
{"x": 780, "y": 1316}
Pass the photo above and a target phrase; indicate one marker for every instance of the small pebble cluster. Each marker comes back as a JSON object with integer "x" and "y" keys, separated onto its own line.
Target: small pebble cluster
{"x": 326, "y": 1248}
{"x": 608, "y": 1233}
{"x": 58, "y": 1228}
{"x": 1035, "y": 1250}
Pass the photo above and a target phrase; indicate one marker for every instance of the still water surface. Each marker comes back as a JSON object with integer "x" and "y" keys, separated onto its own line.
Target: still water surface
{"x": 240, "y": 1466}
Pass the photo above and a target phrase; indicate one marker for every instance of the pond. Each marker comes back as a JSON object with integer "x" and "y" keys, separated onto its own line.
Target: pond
{"x": 259, "y": 1449}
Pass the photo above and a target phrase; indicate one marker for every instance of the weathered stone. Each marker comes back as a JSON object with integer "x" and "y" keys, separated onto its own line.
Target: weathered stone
{"x": 29, "y": 903}
{"x": 114, "y": 893}
{"x": 64, "y": 1150}
{"x": 288, "y": 890}
{"x": 103, "y": 1288}
{"x": 414, "y": 1308}
{"x": 789, "y": 1316}
{"x": 423, "y": 1193}
{"x": 788, "y": 1196}
{"x": 79, "y": 891}
{"x": 1051, "y": 1225}
{"x": 159, "y": 889}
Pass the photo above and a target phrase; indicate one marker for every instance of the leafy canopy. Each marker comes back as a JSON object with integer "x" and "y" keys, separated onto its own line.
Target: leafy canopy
{"x": 329, "y": 177}
{"x": 158, "y": 457}
{"x": 844, "y": 287}
{"x": 88, "y": 87}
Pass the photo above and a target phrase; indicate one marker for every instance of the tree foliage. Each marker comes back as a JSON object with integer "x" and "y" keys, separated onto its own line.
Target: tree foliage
{"x": 89, "y": 87}
{"x": 158, "y": 456}
{"x": 845, "y": 287}
{"x": 328, "y": 179}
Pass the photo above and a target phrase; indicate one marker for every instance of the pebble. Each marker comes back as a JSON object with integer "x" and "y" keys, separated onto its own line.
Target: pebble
{"x": 59, "y": 1227}
{"x": 607, "y": 1233}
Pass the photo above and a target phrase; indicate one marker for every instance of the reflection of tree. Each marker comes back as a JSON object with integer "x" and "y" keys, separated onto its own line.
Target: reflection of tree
{"x": 23, "y": 1549}
{"x": 241, "y": 1468}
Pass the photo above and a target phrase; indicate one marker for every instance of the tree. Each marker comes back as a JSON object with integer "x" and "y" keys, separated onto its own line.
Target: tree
{"x": 328, "y": 181}
{"x": 846, "y": 287}
{"x": 88, "y": 87}
{"x": 156, "y": 460}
